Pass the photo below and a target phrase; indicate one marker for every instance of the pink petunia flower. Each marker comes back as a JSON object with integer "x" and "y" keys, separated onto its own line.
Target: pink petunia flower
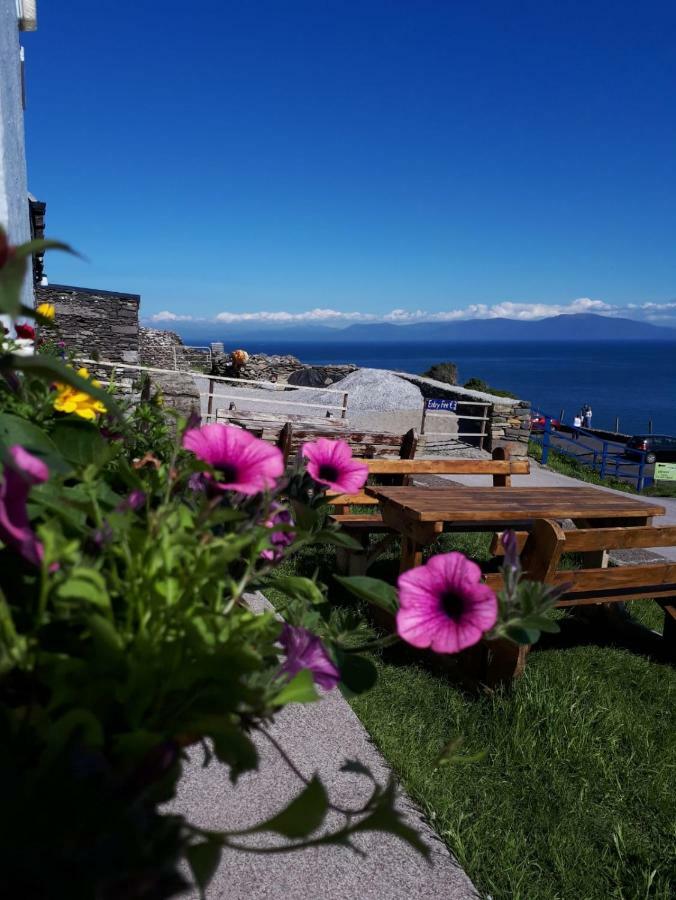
{"x": 331, "y": 464}
{"x": 22, "y": 471}
{"x": 305, "y": 650}
{"x": 244, "y": 462}
{"x": 443, "y": 605}
{"x": 279, "y": 539}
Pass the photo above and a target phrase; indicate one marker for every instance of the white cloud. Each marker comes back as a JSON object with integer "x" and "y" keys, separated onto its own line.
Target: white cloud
{"x": 166, "y": 316}
{"x": 507, "y": 309}
{"x": 311, "y": 315}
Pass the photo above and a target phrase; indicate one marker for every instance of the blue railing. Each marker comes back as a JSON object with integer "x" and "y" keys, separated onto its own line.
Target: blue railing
{"x": 601, "y": 456}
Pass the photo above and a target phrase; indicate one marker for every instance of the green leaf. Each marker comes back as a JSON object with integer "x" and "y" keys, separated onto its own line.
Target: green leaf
{"x": 303, "y": 815}
{"x": 85, "y": 584}
{"x": 357, "y": 673}
{"x": 54, "y": 370}
{"x": 203, "y": 860}
{"x": 300, "y": 587}
{"x": 231, "y": 745}
{"x": 80, "y": 442}
{"x": 16, "y": 430}
{"x": 305, "y": 517}
{"x": 338, "y": 538}
{"x": 301, "y": 689}
{"x": 14, "y": 272}
{"x": 39, "y": 245}
{"x": 12, "y": 277}
{"x": 108, "y": 646}
{"x": 542, "y": 623}
{"x": 76, "y": 721}
{"x": 521, "y": 635}
{"x": 374, "y": 591}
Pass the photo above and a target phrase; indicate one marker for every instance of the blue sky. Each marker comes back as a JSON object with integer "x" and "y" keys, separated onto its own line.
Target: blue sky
{"x": 343, "y": 160}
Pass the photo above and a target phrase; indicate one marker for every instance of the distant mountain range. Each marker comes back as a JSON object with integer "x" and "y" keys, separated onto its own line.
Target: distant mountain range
{"x": 576, "y": 327}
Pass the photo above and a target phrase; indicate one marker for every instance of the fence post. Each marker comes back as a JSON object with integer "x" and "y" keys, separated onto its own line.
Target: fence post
{"x": 424, "y": 416}
{"x": 561, "y": 416}
{"x": 210, "y": 402}
{"x": 546, "y": 439}
{"x": 617, "y": 425}
{"x": 640, "y": 479}
{"x": 604, "y": 459}
{"x": 650, "y": 426}
{"x": 344, "y": 410}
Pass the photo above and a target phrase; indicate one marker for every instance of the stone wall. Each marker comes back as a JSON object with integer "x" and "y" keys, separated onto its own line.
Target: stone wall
{"x": 166, "y": 350}
{"x": 508, "y": 419}
{"x": 156, "y": 348}
{"x": 95, "y": 323}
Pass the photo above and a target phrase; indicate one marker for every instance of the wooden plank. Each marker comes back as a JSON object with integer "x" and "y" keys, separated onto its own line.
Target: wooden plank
{"x": 616, "y": 538}
{"x": 361, "y": 498}
{"x": 479, "y": 504}
{"x": 654, "y": 577}
{"x": 447, "y": 467}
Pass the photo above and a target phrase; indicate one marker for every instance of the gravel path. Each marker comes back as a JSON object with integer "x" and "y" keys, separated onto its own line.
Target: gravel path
{"x": 319, "y": 737}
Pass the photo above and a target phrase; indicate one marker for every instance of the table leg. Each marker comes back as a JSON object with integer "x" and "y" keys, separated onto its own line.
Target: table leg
{"x": 411, "y": 554}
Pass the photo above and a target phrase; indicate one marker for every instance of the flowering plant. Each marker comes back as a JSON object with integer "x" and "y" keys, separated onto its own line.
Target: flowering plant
{"x": 127, "y": 552}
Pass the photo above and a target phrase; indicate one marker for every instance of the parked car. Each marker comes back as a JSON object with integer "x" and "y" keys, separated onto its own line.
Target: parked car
{"x": 537, "y": 423}
{"x": 656, "y": 447}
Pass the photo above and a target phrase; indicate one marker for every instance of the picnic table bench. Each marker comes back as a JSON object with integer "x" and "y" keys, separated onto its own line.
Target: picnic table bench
{"x": 594, "y": 584}
{"x": 603, "y": 520}
{"x": 404, "y": 472}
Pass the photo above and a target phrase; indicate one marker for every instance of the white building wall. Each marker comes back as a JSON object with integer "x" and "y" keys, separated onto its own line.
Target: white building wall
{"x": 14, "y": 215}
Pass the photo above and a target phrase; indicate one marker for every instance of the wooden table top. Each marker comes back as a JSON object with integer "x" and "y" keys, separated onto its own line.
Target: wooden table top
{"x": 496, "y": 504}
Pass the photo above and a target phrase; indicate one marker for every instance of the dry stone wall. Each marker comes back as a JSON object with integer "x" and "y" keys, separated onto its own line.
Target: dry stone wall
{"x": 102, "y": 324}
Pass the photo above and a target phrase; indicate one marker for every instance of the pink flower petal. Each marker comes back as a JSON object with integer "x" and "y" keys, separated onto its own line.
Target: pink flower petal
{"x": 249, "y": 464}
{"x": 424, "y": 619}
{"x": 330, "y": 463}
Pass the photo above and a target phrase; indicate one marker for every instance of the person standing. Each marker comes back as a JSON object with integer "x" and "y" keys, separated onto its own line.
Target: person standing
{"x": 577, "y": 424}
{"x": 587, "y": 418}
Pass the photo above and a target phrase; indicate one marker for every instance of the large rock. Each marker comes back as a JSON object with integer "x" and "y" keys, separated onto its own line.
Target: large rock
{"x": 179, "y": 391}
{"x": 320, "y": 376}
{"x": 379, "y": 391}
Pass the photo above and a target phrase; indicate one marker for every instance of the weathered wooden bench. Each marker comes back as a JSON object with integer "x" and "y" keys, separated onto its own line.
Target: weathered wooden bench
{"x": 369, "y": 445}
{"x": 595, "y": 584}
{"x": 403, "y": 472}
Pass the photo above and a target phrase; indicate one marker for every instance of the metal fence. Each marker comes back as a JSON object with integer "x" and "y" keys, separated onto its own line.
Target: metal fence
{"x": 605, "y": 457}
{"x": 210, "y": 393}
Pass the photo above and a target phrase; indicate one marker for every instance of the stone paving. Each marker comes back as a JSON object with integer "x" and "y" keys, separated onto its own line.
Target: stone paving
{"x": 318, "y": 737}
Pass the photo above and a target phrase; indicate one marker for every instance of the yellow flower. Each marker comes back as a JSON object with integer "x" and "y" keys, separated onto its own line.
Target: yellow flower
{"x": 46, "y": 310}
{"x": 71, "y": 400}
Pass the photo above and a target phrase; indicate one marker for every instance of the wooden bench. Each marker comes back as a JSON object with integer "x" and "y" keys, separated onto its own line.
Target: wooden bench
{"x": 403, "y": 472}
{"x": 364, "y": 444}
{"x": 595, "y": 584}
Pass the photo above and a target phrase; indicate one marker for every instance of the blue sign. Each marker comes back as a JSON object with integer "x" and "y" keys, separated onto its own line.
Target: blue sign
{"x": 442, "y": 404}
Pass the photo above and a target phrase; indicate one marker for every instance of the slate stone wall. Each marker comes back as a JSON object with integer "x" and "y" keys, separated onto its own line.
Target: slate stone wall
{"x": 101, "y": 324}
{"x": 166, "y": 350}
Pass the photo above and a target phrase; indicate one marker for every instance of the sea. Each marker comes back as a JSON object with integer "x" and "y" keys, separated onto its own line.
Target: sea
{"x": 633, "y": 382}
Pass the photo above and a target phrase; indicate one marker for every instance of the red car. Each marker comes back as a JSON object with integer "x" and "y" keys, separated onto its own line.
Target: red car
{"x": 537, "y": 423}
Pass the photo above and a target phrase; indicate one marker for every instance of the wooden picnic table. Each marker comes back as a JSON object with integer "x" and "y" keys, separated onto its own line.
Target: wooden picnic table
{"x": 421, "y": 514}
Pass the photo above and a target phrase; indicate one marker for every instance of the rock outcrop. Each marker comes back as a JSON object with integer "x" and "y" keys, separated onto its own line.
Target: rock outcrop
{"x": 320, "y": 376}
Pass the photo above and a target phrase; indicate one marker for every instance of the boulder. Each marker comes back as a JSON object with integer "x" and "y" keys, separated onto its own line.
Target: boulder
{"x": 320, "y": 376}
{"x": 379, "y": 391}
{"x": 179, "y": 391}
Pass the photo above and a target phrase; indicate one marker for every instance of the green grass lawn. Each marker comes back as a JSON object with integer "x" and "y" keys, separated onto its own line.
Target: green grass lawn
{"x": 575, "y": 795}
